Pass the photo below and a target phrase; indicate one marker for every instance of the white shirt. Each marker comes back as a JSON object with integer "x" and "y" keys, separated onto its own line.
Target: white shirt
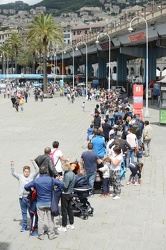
{"x": 106, "y": 171}
{"x": 107, "y": 147}
{"x": 57, "y": 161}
{"x": 113, "y": 167}
{"x": 132, "y": 140}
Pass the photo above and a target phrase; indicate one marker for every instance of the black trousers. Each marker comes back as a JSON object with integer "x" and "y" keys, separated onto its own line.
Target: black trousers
{"x": 66, "y": 208}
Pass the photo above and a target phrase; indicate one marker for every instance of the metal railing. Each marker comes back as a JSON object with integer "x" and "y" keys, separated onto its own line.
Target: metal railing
{"x": 123, "y": 22}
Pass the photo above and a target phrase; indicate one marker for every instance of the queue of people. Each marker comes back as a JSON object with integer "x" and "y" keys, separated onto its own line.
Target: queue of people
{"x": 118, "y": 137}
{"x": 115, "y": 135}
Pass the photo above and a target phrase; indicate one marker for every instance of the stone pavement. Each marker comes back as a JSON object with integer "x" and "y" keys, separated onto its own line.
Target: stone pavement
{"x": 136, "y": 221}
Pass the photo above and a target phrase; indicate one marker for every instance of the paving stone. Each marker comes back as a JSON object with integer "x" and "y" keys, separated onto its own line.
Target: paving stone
{"x": 136, "y": 221}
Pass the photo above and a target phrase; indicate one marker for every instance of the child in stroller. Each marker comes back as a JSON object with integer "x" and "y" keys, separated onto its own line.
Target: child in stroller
{"x": 80, "y": 201}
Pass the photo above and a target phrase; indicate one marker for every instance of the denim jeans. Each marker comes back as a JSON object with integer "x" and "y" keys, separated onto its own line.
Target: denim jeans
{"x": 130, "y": 154}
{"x": 111, "y": 121}
{"x": 91, "y": 178}
{"x": 133, "y": 173}
{"x": 147, "y": 145}
{"x": 24, "y": 204}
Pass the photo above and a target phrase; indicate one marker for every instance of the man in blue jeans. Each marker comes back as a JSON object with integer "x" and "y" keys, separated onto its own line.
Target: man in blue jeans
{"x": 88, "y": 163}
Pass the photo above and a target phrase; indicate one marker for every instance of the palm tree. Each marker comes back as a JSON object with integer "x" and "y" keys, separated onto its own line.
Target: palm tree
{"x": 7, "y": 53}
{"x": 47, "y": 31}
{"x": 15, "y": 41}
{"x": 25, "y": 58}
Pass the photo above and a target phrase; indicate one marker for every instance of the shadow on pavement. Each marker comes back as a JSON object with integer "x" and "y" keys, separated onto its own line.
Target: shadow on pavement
{"x": 4, "y": 245}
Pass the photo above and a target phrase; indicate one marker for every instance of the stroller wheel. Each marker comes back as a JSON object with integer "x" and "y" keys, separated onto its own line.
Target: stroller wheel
{"x": 85, "y": 217}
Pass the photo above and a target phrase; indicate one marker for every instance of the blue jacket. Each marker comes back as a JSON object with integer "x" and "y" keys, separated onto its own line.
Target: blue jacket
{"x": 44, "y": 187}
{"x": 99, "y": 146}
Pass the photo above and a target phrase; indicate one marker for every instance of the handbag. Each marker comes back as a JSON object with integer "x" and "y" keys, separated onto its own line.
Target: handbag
{"x": 55, "y": 200}
{"x": 135, "y": 150}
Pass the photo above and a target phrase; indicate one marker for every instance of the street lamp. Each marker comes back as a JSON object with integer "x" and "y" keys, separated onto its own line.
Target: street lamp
{"x": 62, "y": 66}
{"x": 109, "y": 56}
{"x": 130, "y": 29}
{"x": 86, "y": 52}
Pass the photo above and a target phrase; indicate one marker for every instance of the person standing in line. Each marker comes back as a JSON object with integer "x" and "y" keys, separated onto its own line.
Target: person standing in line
{"x": 106, "y": 129}
{"x": 89, "y": 135}
{"x": 147, "y": 137}
{"x": 24, "y": 178}
{"x": 115, "y": 172}
{"x": 58, "y": 158}
{"x": 88, "y": 163}
{"x": 99, "y": 145}
{"x": 97, "y": 120}
{"x": 133, "y": 142}
{"x": 106, "y": 177}
{"x": 66, "y": 198}
{"x": 44, "y": 186}
{"x": 46, "y": 160}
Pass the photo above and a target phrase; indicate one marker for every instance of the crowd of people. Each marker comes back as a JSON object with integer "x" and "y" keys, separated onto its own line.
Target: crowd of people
{"x": 119, "y": 138}
{"x": 115, "y": 136}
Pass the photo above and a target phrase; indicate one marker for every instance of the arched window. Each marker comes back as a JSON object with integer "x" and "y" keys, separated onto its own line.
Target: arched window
{"x": 131, "y": 71}
{"x": 114, "y": 69}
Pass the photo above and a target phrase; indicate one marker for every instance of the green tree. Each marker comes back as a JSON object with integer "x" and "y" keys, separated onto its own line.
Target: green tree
{"x": 47, "y": 31}
{"x": 25, "y": 58}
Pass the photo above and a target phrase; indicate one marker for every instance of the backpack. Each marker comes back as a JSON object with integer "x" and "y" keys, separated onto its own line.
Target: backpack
{"x": 52, "y": 155}
{"x": 136, "y": 130}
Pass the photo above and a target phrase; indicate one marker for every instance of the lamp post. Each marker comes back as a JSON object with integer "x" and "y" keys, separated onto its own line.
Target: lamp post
{"x": 109, "y": 56}
{"x": 7, "y": 68}
{"x": 54, "y": 65}
{"x": 73, "y": 67}
{"x": 62, "y": 66}
{"x": 86, "y": 52}
{"x": 130, "y": 29}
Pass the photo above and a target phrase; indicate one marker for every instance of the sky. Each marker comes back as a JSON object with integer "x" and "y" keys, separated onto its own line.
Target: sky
{"x": 30, "y": 2}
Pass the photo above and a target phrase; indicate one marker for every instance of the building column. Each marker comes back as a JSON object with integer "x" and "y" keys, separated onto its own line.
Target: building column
{"x": 121, "y": 70}
{"x": 102, "y": 65}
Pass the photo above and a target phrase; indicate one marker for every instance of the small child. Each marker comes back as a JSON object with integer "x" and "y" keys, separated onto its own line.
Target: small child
{"x": 89, "y": 135}
{"x": 106, "y": 177}
{"x": 23, "y": 179}
{"x": 83, "y": 106}
{"x": 136, "y": 169}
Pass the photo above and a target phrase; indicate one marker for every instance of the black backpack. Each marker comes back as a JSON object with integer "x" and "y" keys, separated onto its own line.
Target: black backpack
{"x": 136, "y": 130}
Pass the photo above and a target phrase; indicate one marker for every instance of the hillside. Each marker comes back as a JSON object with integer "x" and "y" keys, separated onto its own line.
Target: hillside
{"x": 55, "y": 6}
{"x": 68, "y": 5}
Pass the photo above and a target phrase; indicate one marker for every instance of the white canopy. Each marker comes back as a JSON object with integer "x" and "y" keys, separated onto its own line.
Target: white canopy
{"x": 163, "y": 80}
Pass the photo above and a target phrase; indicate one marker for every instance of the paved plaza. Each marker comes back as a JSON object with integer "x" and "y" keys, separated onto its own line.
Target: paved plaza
{"x": 136, "y": 221}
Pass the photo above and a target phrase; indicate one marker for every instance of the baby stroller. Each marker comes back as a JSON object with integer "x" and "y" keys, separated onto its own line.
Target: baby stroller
{"x": 80, "y": 203}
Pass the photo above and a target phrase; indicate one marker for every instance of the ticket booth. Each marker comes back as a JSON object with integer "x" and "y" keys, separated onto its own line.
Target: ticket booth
{"x": 162, "y": 113}
{"x": 138, "y": 100}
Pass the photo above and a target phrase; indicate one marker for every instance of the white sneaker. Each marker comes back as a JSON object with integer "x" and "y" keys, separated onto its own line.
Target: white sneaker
{"x": 62, "y": 229}
{"x": 116, "y": 197}
{"x": 70, "y": 226}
